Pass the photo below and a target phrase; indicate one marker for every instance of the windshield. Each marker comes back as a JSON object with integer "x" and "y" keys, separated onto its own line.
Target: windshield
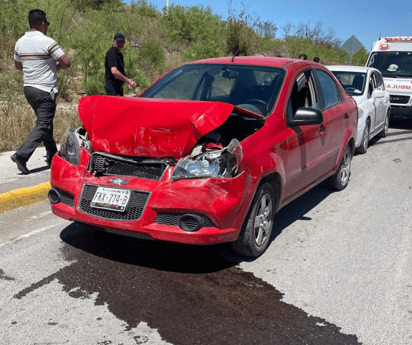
{"x": 392, "y": 64}
{"x": 253, "y": 88}
{"x": 352, "y": 82}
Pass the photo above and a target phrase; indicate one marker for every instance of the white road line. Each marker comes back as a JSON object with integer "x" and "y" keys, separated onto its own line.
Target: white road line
{"x": 19, "y": 238}
{"x": 39, "y": 215}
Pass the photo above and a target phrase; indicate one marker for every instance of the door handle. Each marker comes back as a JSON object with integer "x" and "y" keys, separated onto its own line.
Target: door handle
{"x": 322, "y": 130}
{"x": 346, "y": 116}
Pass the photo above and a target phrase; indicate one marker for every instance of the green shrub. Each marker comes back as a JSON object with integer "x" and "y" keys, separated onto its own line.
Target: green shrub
{"x": 143, "y": 8}
{"x": 198, "y": 29}
{"x": 360, "y": 58}
{"x": 153, "y": 52}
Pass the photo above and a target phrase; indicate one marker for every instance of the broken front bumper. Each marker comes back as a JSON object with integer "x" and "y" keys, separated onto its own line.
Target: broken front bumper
{"x": 197, "y": 211}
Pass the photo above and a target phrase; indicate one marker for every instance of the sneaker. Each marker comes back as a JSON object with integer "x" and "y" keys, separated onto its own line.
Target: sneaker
{"x": 21, "y": 164}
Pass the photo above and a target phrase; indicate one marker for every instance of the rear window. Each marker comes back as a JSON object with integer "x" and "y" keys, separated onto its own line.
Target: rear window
{"x": 352, "y": 82}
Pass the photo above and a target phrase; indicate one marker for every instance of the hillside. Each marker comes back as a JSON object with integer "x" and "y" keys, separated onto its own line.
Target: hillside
{"x": 156, "y": 43}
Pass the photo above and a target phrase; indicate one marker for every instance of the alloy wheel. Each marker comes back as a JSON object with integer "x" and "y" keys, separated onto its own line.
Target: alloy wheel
{"x": 263, "y": 220}
{"x": 345, "y": 167}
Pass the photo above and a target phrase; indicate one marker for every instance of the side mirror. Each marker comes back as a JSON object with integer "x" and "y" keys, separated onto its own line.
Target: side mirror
{"x": 378, "y": 94}
{"x": 306, "y": 116}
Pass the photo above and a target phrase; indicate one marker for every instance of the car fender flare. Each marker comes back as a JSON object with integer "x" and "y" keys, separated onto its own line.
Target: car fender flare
{"x": 349, "y": 140}
{"x": 272, "y": 170}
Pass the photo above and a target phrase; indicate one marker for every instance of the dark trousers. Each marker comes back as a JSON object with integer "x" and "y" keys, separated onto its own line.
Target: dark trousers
{"x": 45, "y": 108}
{"x": 113, "y": 88}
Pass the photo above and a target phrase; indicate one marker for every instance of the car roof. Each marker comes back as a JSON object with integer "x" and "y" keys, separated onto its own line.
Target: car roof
{"x": 346, "y": 68}
{"x": 271, "y": 61}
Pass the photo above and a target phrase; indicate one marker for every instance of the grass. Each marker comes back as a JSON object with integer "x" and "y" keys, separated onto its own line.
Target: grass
{"x": 17, "y": 119}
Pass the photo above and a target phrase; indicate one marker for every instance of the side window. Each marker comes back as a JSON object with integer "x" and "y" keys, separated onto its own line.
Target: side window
{"x": 330, "y": 93}
{"x": 303, "y": 94}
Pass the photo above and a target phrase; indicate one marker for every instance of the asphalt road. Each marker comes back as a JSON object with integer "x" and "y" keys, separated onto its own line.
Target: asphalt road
{"x": 338, "y": 271}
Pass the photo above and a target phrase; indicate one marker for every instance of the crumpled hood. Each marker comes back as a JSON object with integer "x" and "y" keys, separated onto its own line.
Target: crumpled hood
{"x": 148, "y": 127}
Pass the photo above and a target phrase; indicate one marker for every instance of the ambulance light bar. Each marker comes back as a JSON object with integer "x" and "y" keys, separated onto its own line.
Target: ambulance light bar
{"x": 398, "y": 39}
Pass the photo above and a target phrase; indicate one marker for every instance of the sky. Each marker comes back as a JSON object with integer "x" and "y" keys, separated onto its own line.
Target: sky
{"x": 367, "y": 20}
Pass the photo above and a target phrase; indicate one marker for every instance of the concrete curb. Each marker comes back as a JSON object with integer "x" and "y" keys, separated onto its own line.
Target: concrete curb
{"x": 23, "y": 196}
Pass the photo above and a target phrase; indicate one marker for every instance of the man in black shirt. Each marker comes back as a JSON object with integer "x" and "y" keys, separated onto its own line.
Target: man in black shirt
{"x": 114, "y": 65}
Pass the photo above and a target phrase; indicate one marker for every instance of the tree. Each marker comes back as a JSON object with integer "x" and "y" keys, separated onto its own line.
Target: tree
{"x": 266, "y": 29}
{"x": 316, "y": 34}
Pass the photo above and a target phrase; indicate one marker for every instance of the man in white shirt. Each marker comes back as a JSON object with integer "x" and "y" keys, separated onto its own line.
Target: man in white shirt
{"x": 36, "y": 55}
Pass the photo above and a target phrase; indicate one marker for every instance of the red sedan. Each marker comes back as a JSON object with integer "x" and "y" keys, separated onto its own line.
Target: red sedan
{"x": 208, "y": 153}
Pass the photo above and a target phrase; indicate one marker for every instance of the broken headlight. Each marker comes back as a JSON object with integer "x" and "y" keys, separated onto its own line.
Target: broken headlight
{"x": 212, "y": 163}
{"x": 70, "y": 146}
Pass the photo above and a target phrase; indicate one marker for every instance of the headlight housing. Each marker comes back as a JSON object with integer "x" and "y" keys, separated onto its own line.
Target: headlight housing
{"x": 222, "y": 163}
{"x": 70, "y": 146}
{"x": 360, "y": 112}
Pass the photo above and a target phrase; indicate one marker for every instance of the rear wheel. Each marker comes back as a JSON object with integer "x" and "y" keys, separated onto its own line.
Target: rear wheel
{"x": 384, "y": 132}
{"x": 257, "y": 228}
{"x": 365, "y": 139}
{"x": 340, "y": 180}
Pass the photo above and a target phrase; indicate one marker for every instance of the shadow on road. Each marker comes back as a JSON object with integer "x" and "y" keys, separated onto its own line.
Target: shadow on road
{"x": 177, "y": 257}
{"x": 401, "y": 124}
{"x": 164, "y": 256}
{"x": 46, "y": 167}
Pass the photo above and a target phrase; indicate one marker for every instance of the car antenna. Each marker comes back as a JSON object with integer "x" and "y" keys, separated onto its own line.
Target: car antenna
{"x": 233, "y": 58}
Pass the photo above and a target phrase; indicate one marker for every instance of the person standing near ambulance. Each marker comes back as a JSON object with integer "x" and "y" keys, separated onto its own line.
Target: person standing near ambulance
{"x": 114, "y": 66}
{"x": 36, "y": 54}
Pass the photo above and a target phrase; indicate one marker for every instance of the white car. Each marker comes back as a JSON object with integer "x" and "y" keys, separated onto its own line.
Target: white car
{"x": 365, "y": 85}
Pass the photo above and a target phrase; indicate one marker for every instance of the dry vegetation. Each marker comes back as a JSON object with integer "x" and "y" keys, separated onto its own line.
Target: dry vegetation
{"x": 17, "y": 120}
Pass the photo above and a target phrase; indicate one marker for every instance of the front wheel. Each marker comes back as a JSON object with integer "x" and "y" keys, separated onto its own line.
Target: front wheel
{"x": 365, "y": 139}
{"x": 340, "y": 179}
{"x": 257, "y": 228}
{"x": 384, "y": 132}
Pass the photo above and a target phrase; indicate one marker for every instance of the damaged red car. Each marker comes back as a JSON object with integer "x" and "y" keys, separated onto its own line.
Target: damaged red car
{"x": 208, "y": 153}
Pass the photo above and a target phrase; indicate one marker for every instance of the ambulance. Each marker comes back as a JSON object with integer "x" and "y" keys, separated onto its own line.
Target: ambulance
{"x": 392, "y": 56}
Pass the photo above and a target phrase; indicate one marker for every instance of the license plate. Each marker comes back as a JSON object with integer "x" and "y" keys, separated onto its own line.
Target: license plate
{"x": 111, "y": 199}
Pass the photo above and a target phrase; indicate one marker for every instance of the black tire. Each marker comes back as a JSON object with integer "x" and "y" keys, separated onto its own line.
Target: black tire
{"x": 340, "y": 179}
{"x": 384, "y": 132}
{"x": 255, "y": 234}
{"x": 363, "y": 148}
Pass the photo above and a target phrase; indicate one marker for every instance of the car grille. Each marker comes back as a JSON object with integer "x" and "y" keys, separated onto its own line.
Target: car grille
{"x": 173, "y": 219}
{"x": 399, "y": 99}
{"x": 106, "y": 164}
{"x": 133, "y": 212}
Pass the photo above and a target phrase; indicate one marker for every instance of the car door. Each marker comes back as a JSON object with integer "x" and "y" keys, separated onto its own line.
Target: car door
{"x": 373, "y": 103}
{"x": 304, "y": 143}
{"x": 383, "y": 104}
{"x": 335, "y": 120}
